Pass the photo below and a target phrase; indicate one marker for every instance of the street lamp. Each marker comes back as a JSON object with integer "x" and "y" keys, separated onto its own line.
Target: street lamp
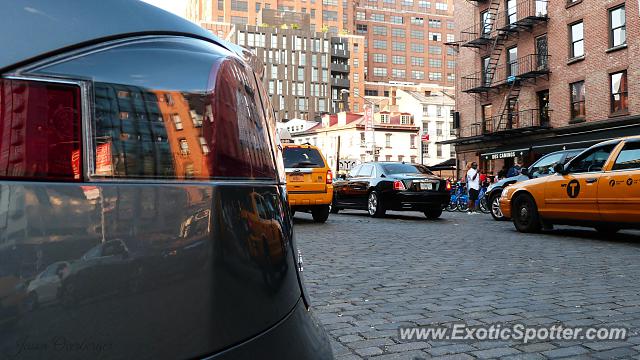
{"x": 368, "y": 126}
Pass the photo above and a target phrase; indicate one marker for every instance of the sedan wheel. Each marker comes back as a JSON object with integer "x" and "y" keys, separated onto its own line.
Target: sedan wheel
{"x": 496, "y": 212}
{"x": 374, "y": 205}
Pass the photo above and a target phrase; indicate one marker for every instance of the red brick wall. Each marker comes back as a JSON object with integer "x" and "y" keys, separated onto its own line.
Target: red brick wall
{"x": 594, "y": 69}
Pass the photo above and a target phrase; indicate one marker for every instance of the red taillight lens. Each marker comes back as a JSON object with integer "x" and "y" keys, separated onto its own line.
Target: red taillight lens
{"x": 448, "y": 185}
{"x": 40, "y": 131}
{"x": 398, "y": 185}
{"x": 329, "y": 177}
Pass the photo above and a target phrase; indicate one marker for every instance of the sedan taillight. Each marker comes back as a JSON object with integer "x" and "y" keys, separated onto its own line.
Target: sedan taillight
{"x": 40, "y": 131}
{"x": 329, "y": 177}
{"x": 398, "y": 185}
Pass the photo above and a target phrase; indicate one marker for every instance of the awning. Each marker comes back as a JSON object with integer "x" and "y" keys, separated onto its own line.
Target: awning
{"x": 505, "y": 154}
{"x": 445, "y": 165}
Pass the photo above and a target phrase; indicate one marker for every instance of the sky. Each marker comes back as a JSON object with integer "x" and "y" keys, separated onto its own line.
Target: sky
{"x": 177, "y": 7}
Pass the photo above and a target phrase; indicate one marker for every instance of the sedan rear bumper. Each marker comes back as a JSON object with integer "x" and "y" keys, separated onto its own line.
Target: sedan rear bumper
{"x": 415, "y": 200}
{"x": 297, "y": 336}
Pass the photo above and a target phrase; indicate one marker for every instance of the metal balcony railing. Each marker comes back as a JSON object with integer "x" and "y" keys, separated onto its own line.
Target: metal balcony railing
{"x": 525, "y": 67}
{"x": 339, "y": 82}
{"x": 340, "y": 53}
{"x": 339, "y": 68}
{"x": 523, "y": 16}
{"x": 510, "y": 122}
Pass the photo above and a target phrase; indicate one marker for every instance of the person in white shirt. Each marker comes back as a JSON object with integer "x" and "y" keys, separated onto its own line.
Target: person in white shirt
{"x": 473, "y": 184}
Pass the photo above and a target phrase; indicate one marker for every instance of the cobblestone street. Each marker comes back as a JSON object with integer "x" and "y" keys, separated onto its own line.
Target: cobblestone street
{"x": 367, "y": 277}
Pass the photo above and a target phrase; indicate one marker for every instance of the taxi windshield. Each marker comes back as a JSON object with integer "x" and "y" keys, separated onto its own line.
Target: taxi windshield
{"x": 297, "y": 157}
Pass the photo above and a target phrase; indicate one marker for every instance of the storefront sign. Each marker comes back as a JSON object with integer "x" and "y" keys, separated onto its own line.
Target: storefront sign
{"x": 505, "y": 154}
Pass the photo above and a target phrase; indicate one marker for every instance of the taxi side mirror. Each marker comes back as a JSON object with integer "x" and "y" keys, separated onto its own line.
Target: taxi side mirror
{"x": 559, "y": 168}
{"x": 525, "y": 172}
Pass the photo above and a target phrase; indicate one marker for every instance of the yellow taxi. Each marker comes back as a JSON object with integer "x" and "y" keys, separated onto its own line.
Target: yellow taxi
{"x": 599, "y": 188}
{"x": 309, "y": 180}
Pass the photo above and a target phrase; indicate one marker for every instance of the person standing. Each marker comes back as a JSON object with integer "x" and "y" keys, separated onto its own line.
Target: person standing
{"x": 473, "y": 184}
{"x": 515, "y": 169}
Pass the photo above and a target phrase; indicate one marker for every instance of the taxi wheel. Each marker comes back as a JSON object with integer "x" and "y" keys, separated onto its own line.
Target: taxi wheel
{"x": 374, "y": 205}
{"x": 607, "y": 229}
{"x": 525, "y": 214}
{"x": 320, "y": 213}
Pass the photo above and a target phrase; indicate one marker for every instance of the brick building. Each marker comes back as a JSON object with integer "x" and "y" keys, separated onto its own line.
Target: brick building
{"x": 537, "y": 76}
{"x": 402, "y": 42}
{"x": 405, "y": 44}
{"x": 305, "y": 70}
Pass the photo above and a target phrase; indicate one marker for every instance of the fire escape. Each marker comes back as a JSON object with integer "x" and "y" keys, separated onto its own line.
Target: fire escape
{"x": 497, "y": 25}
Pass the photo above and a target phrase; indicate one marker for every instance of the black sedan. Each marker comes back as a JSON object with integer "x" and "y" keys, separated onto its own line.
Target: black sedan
{"x": 381, "y": 186}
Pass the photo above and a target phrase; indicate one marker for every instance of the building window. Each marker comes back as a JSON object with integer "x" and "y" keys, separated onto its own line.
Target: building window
{"x": 439, "y": 150}
{"x": 401, "y": 158}
{"x": 578, "y": 109}
{"x": 413, "y": 142}
{"x": 405, "y": 120}
{"x": 417, "y": 61}
{"x": 398, "y": 59}
{"x": 177, "y": 122}
{"x": 398, "y": 46}
{"x": 619, "y": 92}
{"x": 379, "y": 44}
{"x": 398, "y": 73}
{"x": 397, "y": 33}
{"x": 417, "y": 74}
{"x": 379, "y": 58}
{"x": 435, "y": 23}
{"x": 384, "y": 118}
{"x": 425, "y": 148}
{"x": 184, "y": 146}
{"x": 577, "y": 39}
{"x": 435, "y": 76}
{"x": 618, "y": 27}
{"x": 397, "y": 19}
{"x": 387, "y": 138}
{"x": 379, "y": 71}
{"x": 435, "y": 63}
{"x": 379, "y": 30}
{"x": 387, "y": 157}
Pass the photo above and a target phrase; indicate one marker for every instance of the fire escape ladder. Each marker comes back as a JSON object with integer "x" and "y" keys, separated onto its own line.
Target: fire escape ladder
{"x": 497, "y": 46}
{"x": 505, "y": 119}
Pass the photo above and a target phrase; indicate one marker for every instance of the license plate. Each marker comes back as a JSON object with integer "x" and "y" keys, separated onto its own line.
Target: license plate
{"x": 426, "y": 186}
{"x": 296, "y": 177}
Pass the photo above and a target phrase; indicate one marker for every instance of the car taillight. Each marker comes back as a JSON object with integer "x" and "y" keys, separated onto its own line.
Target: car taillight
{"x": 40, "y": 131}
{"x": 398, "y": 185}
{"x": 329, "y": 177}
{"x": 448, "y": 185}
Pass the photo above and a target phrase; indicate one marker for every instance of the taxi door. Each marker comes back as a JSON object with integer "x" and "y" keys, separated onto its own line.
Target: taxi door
{"x": 574, "y": 194}
{"x": 619, "y": 190}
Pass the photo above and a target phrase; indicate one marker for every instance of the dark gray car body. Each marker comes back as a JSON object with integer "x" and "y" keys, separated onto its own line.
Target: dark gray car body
{"x": 163, "y": 264}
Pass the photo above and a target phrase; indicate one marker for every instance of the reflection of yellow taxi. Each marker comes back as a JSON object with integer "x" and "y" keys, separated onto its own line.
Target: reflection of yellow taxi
{"x": 265, "y": 240}
{"x": 599, "y": 188}
{"x": 309, "y": 180}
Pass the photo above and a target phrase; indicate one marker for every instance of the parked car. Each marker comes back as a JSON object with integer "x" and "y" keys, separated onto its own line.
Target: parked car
{"x": 543, "y": 167}
{"x": 381, "y": 186}
{"x": 130, "y": 136}
{"x": 45, "y": 288}
{"x": 599, "y": 188}
{"x": 309, "y": 180}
